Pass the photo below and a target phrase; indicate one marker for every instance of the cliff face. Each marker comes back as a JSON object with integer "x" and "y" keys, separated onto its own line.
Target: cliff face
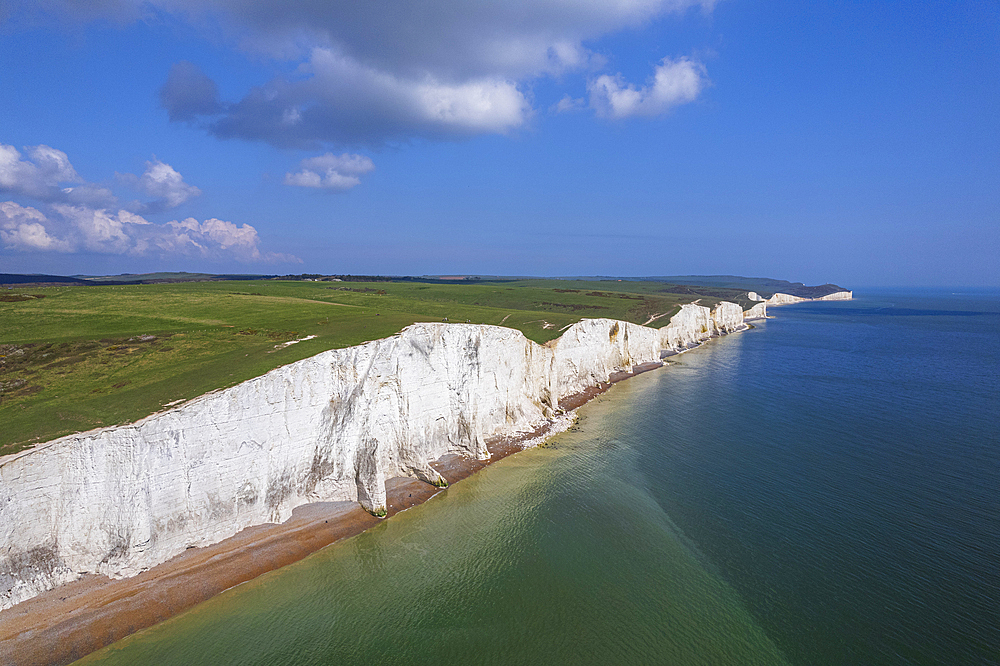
{"x": 692, "y": 324}
{"x": 728, "y": 317}
{"x": 838, "y": 296}
{"x": 590, "y": 350}
{"x": 332, "y": 427}
{"x": 785, "y": 299}
{"x": 758, "y": 311}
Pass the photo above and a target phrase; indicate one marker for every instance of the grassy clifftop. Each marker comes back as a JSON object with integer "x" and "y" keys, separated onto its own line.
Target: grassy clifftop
{"x": 74, "y": 358}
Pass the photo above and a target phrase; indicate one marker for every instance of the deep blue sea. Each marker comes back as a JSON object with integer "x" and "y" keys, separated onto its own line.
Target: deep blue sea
{"x": 823, "y": 489}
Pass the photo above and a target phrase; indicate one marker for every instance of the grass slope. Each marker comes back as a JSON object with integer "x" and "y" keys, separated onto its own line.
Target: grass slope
{"x": 75, "y": 358}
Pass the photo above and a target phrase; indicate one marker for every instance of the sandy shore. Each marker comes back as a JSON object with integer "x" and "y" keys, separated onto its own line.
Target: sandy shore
{"x": 73, "y": 620}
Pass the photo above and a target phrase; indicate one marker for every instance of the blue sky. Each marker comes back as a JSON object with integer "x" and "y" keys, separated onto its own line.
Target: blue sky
{"x": 851, "y": 142}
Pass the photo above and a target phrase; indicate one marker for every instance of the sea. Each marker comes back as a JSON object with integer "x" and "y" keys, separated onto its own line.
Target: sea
{"x": 822, "y": 489}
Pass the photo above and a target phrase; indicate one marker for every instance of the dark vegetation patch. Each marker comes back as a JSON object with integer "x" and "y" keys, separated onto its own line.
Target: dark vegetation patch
{"x": 604, "y": 294}
{"x": 40, "y": 359}
{"x": 365, "y": 290}
{"x": 65, "y": 360}
{"x": 12, "y": 385}
{"x": 270, "y": 335}
{"x": 574, "y": 307}
{"x": 17, "y": 298}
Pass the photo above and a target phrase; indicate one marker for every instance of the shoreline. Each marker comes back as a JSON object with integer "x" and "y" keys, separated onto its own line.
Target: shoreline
{"x": 78, "y": 618}
{"x": 73, "y": 620}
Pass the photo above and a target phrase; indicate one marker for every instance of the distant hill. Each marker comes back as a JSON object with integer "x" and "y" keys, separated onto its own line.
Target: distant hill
{"x": 766, "y": 287}
{"x": 165, "y": 277}
{"x": 8, "y": 279}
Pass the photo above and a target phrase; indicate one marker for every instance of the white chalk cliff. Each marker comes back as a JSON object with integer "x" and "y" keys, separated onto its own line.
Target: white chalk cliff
{"x": 785, "y": 299}
{"x": 758, "y": 311}
{"x": 837, "y": 296}
{"x": 335, "y": 426}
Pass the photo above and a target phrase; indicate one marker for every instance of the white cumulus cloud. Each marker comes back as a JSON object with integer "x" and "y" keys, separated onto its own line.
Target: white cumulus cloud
{"x": 23, "y": 228}
{"x": 86, "y": 217}
{"x": 82, "y": 229}
{"x": 99, "y": 230}
{"x": 41, "y": 176}
{"x": 674, "y": 82}
{"x": 162, "y": 181}
{"x": 567, "y": 104}
{"x": 46, "y": 174}
{"x": 214, "y": 236}
{"x": 331, "y": 172}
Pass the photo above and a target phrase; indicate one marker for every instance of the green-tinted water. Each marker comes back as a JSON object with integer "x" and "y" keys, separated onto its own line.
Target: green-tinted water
{"x": 820, "y": 490}
{"x": 556, "y": 555}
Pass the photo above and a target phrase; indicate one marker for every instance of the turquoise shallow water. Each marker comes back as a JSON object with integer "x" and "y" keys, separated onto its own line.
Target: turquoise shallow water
{"x": 821, "y": 490}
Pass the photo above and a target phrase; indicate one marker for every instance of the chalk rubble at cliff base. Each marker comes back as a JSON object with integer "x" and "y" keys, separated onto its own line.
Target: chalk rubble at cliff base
{"x": 119, "y": 500}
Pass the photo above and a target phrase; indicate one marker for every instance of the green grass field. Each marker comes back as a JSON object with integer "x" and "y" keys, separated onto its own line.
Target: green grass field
{"x": 83, "y": 357}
